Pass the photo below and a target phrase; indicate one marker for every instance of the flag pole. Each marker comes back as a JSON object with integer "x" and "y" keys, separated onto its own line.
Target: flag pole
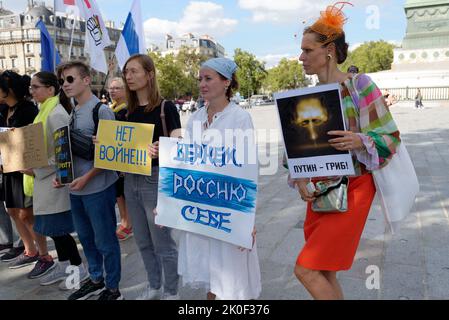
{"x": 110, "y": 67}
{"x": 71, "y": 36}
{"x": 54, "y": 26}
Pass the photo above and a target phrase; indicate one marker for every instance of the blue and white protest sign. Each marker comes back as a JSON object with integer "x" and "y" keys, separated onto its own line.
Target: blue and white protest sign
{"x": 207, "y": 190}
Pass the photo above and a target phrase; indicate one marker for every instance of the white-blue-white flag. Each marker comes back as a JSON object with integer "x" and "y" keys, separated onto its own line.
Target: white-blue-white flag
{"x": 132, "y": 39}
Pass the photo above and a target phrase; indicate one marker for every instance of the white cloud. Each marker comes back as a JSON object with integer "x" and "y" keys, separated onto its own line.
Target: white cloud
{"x": 397, "y": 43}
{"x": 198, "y": 18}
{"x": 272, "y": 60}
{"x": 393, "y": 42}
{"x": 354, "y": 46}
{"x": 20, "y": 6}
{"x": 287, "y": 11}
{"x": 281, "y": 10}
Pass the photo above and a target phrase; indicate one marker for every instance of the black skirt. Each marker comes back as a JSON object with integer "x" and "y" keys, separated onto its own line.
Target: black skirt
{"x": 13, "y": 194}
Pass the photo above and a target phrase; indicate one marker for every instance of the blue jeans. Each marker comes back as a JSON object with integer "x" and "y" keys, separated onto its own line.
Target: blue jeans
{"x": 95, "y": 222}
{"x": 157, "y": 247}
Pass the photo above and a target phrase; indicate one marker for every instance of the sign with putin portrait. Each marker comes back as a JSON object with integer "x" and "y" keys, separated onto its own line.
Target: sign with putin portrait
{"x": 306, "y": 117}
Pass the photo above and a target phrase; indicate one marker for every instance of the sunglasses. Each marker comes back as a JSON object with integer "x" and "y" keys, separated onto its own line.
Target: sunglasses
{"x": 69, "y": 79}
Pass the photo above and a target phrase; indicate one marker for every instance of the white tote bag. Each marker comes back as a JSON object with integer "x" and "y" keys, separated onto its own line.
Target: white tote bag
{"x": 397, "y": 186}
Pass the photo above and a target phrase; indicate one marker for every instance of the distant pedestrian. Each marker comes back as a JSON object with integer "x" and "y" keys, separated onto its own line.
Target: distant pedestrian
{"x": 353, "y": 69}
{"x": 418, "y": 100}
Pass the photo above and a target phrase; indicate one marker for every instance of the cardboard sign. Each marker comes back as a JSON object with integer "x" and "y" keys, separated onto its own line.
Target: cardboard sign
{"x": 207, "y": 190}
{"x": 123, "y": 146}
{"x": 23, "y": 148}
{"x": 63, "y": 155}
{"x": 3, "y": 129}
{"x": 306, "y": 116}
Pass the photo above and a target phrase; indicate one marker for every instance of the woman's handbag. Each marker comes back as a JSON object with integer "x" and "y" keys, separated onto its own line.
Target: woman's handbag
{"x": 331, "y": 195}
{"x": 397, "y": 186}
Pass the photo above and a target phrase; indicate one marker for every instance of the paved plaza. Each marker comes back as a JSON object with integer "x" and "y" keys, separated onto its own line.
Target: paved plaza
{"x": 413, "y": 263}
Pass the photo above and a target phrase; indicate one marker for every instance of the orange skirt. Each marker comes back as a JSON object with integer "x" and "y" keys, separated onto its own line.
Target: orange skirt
{"x": 332, "y": 238}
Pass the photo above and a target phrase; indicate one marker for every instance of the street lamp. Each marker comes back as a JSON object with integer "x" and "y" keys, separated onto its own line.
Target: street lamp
{"x": 249, "y": 88}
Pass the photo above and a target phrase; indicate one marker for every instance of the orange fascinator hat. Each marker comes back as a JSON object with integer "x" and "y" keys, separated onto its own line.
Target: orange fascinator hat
{"x": 331, "y": 21}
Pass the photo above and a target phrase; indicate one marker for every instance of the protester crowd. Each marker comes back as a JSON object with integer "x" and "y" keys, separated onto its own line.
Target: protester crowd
{"x": 39, "y": 206}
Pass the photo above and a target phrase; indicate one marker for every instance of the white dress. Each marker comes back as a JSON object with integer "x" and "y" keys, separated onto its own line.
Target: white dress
{"x": 203, "y": 262}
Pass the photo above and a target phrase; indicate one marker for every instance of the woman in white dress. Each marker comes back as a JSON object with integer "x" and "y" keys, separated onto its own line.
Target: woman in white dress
{"x": 225, "y": 270}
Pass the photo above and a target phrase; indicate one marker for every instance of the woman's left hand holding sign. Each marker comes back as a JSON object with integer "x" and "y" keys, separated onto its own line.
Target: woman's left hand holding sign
{"x": 153, "y": 150}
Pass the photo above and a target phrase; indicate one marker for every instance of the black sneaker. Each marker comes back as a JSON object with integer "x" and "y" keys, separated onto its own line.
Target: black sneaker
{"x": 12, "y": 254}
{"x": 41, "y": 268}
{"x": 23, "y": 260}
{"x": 5, "y": 248}
{"x": 107, "y": 295}
{"x": 87, "y": 290}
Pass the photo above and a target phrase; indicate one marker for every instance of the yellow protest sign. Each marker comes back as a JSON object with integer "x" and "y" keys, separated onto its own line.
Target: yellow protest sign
{"x": 123, "y": 146}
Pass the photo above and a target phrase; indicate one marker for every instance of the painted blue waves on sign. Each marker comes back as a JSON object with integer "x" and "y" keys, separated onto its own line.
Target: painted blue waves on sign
{"x": 130, "y": 35}
{"x": 208, "y": 188}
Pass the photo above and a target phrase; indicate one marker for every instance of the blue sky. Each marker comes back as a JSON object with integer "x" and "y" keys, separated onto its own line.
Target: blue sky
{"x": 265, "y": 28}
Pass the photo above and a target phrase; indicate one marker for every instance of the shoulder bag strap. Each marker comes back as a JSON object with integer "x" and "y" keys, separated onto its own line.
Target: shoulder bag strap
{"x": 164, "y": 124}
{"x": 95, "y": 116}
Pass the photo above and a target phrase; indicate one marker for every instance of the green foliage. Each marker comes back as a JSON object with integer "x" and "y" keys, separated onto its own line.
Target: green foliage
{"x": 190, "y": 63}
{"x": 250, "y": 74}
{"x": 288, "y": 74}
{"x": 177, "y": 75}
{"x": 371, "y": 56}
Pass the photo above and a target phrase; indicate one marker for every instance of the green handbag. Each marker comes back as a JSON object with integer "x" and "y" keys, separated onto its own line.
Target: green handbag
{"x": 331, "y": 195}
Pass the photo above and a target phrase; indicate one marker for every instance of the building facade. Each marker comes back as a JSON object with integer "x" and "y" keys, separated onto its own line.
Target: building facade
{"x": 203, "y": 45}
{"x": 20, "y": 48}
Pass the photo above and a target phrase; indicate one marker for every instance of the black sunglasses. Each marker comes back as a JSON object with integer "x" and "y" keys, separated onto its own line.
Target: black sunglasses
{"x": 69, "y": 79}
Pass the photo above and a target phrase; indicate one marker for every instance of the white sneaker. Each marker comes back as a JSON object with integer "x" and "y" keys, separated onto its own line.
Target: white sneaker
{"x": 167, "y": 296}
{"x": 150, "y": 294}
{"x": 57, "y": 274}
{"x": 68, "y": 284}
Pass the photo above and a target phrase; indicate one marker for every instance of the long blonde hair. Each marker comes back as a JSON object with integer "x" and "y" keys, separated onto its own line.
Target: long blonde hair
{"x": 154, "y": 94}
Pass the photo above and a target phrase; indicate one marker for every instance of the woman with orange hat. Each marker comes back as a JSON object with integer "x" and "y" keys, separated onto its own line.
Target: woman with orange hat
{"x": 332, "y": 238}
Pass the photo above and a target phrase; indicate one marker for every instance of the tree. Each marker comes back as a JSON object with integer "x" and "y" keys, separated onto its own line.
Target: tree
{"x": 190, "y": 62}
{"x": 371, "y": 56}
{"x": 288, "y": 74}
{"x": 251, "y": 72}
{"x": 178, "y": 74}
{"x": 169, "y": 74}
